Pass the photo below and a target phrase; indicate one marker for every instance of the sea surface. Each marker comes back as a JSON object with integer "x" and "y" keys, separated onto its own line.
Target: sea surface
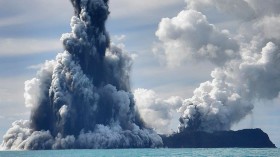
{"x": 146, "y": 153}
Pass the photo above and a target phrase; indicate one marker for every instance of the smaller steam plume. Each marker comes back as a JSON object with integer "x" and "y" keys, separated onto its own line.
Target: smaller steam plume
{"x": 247, "y": 58}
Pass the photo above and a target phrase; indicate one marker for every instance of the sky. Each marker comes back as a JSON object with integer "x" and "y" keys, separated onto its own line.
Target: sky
{"x": 30, "y": 33}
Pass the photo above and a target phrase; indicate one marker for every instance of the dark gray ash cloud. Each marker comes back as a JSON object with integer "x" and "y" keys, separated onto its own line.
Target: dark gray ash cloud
{"x": 82, "y": 99}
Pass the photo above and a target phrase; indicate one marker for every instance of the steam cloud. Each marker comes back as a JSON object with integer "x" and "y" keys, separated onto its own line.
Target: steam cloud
{"x": 82, "y": 99}
{"x": 157, "y": 113}
{"x": 247, "y": 58}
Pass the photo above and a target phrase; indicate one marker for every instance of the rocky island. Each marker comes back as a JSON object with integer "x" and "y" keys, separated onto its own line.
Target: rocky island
{"x": 247, "y": 138}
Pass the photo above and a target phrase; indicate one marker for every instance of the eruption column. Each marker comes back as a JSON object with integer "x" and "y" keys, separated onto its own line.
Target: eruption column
{"x": 82, "y": 99}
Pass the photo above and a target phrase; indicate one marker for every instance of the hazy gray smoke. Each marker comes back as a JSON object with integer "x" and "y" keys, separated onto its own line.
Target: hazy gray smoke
{"x": 82, "y": 99}
{"x": 247, "y": 57}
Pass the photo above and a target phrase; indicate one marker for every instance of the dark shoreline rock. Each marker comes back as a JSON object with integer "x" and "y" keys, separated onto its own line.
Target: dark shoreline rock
{"x": 247, "y": 138}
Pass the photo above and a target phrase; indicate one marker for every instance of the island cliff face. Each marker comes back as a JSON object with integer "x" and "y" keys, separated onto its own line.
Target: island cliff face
{"x": 247, "y": 138}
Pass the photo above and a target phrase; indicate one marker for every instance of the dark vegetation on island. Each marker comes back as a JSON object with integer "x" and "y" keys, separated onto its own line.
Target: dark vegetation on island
{"x": 247, "y": 138}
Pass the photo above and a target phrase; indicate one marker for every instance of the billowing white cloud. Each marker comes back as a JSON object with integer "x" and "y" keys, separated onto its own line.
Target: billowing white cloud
{"x": 250, "y": 75}
{"x": 224, "y": 101}
{"x": 190, "y": 36}
{"x": 33, "y": 88}
{"x": 156, "y": 112}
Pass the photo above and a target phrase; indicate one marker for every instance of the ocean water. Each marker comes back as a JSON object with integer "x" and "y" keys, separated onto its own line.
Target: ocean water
{"x": 228, "y": 152}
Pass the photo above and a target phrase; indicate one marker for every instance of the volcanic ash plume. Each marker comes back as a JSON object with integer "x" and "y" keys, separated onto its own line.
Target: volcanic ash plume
{"x": 82, "y": 99}
{"x": 244, "y": 45}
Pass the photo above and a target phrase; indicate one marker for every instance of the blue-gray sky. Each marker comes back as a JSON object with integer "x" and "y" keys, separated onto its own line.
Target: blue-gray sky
{"x": 30, "y": 31}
